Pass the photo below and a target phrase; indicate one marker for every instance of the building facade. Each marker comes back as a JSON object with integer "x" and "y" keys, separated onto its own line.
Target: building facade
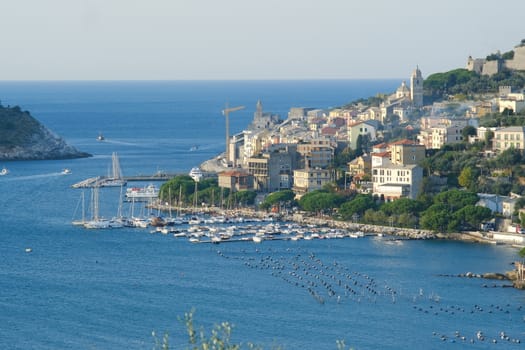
{"x": 307, "y": 180}
{"x": 394, "y": 181}
{"x": 236, "y": 180}
{"x": 510, "y": 137}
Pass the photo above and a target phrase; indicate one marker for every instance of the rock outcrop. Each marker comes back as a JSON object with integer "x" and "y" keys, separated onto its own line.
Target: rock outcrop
{"x": 22, "y": 137}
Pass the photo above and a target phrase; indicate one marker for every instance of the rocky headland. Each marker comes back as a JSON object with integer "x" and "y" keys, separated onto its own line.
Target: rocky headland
{"x": 22, "y": 137}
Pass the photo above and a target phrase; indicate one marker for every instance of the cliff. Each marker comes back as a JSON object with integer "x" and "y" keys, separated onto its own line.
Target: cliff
{"x": 22, "y": 137}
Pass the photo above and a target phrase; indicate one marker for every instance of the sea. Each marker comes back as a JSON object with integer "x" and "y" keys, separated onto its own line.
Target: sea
{"x": 65, "y": 287}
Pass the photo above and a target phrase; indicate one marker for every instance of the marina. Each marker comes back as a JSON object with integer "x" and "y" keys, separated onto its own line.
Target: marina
{"x": 111, "y": 288}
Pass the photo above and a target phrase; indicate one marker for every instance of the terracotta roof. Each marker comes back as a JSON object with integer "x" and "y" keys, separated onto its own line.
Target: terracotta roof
{"x": 381, "y": 154}
{"x": 381, "y": 145}
{"x": 329, "y": 131}
{"x": 403, "y": 142}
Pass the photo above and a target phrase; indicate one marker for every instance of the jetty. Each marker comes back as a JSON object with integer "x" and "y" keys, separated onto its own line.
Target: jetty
{"x": 102, "y": 181}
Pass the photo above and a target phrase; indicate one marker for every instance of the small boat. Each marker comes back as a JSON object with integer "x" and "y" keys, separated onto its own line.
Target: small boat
{"x": 194, "y": 148}
{"x": 4, "y": 171}
{"x": 100, "y": 137}
{"x": 257, "y": 239}
{"x": 29, "y": 250}
{"x": 66, "y": 171}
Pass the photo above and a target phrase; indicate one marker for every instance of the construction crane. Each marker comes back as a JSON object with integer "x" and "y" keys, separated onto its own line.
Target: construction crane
{"x": 226, "y": 112}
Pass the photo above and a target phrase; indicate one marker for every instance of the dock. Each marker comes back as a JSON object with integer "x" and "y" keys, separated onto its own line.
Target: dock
{"x": 101, "y": 181}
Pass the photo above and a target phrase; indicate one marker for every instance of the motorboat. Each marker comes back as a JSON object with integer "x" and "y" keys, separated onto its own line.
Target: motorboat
{"x": 66, "y": 171}
{"x": 100, "y": 137}
{"x": 4, "y": 171}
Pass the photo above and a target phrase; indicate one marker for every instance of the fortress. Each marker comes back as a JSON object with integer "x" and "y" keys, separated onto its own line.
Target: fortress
{"x": 497, "y": 62}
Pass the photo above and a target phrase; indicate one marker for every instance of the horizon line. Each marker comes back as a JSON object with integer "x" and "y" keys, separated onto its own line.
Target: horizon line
{"x": 193, "y": 80}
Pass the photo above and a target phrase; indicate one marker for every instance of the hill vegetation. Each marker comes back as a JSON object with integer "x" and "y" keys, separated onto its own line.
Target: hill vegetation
{"x": 22, "y": 137}
{"x": 463, "y": 82}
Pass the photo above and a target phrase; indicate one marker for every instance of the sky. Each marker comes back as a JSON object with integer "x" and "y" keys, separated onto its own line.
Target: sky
{"x": 249, "y": 39}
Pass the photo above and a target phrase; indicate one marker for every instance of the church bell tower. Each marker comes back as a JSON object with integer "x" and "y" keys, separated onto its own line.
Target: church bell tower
{"x": 416, "y": 88}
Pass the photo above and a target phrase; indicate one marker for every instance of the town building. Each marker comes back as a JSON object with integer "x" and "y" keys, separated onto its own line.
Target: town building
{"x": 513, "y": 102}
{"x": 355, "y": 130}
{"x": 317, "y": 153}
{"x": 236, "y": 180}
{"x": 307, "y": 180}
{"x": 272, "y": 170}
{"x": 503, "y": 205}
{"x": 406, "y": 152}
{"x": 394, "y": 181}
{"x": 360, "y": 166}
{"x": 437, "y": 132}
{"x": 509, "y": 137}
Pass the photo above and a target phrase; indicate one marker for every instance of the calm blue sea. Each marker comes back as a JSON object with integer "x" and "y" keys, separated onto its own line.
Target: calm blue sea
{"x": 81, "y": 289}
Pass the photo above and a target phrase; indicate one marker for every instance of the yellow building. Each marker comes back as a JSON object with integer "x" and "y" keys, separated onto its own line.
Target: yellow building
{"x": 306, "y": 180}
{"x": 511, "y": 137}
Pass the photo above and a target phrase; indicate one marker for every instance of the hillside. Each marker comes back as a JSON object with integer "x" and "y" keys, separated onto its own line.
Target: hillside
{"x": 22, "y": 137}
{"x": 463, "y": 82}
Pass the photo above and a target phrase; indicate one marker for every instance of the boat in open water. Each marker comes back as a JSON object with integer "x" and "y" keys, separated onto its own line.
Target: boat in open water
{"x": 4, "y": 171}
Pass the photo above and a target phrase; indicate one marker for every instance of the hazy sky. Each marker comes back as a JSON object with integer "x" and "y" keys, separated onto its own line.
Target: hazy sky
{"x": 249, "y": 39}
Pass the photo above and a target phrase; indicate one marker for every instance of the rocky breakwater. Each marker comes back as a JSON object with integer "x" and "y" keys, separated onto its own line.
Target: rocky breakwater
{"x": 367, "y": 229}
{"x": 22, "y": 137}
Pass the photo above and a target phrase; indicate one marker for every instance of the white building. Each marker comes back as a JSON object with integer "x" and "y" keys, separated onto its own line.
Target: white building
{"x": 393, "y": 181}
{"x": 497, "y": 204}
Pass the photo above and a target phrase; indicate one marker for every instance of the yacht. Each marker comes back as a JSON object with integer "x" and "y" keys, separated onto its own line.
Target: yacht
{"x": 196, "y": 174}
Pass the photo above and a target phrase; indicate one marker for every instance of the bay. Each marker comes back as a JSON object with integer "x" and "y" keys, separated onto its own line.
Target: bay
{"x": 110, "y": 289}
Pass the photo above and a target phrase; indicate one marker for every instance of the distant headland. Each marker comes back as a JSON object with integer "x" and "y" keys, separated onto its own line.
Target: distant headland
{"x": 22, "y": 137}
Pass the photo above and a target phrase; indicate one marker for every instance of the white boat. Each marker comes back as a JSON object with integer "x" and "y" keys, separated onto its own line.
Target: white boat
{"x": 66, "y": 171}
{"x": 142, "y": 193}
{"x": 358, "y": 234}
{"x": 257, "y": 239}
{"x": 196, "y": 174}
{"x": 4, "y": 171}
{"x": 100, "y": 137}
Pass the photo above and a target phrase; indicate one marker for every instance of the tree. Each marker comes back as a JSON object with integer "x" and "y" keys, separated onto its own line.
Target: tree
{"x": 358, "y": 206}
{"x": 455, "y": 199}
{"x": 181, "y": 184}
{"x": 435, "y": 218}
{"x": 467, "y": 131}
{"x": 400, "y": 206}
{"x": 466, "y": 178}
{"x": 472, "y": 215}
{"x": 320, "y": 201}
{"x": 245, "y": 197}
{"x": 277, "y": 197}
